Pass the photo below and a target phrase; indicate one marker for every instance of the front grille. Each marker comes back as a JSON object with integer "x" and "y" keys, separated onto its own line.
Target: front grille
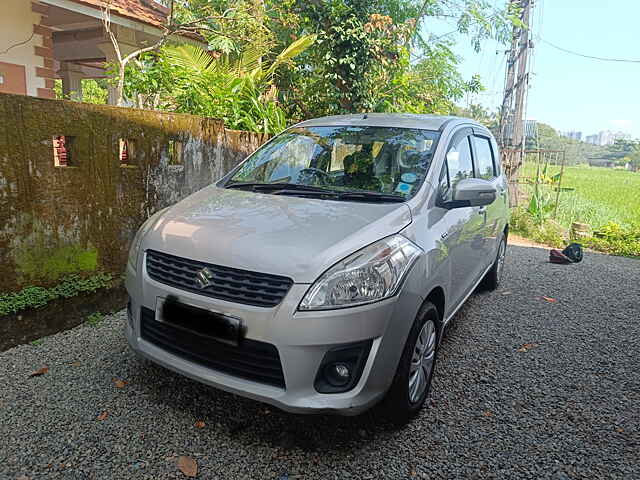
{"x": 231, "y": 284}
{"x": 252, "y": 360}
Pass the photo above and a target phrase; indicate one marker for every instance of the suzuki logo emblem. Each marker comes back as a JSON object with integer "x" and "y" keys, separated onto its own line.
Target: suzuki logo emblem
{"x": 203, "y": 277}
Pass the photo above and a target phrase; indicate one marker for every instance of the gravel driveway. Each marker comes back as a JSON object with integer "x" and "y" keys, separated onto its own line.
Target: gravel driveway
{"x": 567, "y": 405}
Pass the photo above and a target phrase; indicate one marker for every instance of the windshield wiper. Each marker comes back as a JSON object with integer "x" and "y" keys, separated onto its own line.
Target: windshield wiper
{"x": 371, "y": 197}
{"x": 258, "y": 186}
{"x": 296, "y": 189}
{"x": 347, "y": 196}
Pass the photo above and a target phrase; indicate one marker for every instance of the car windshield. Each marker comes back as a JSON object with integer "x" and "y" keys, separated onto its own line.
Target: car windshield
{"x": 380, "y": 160}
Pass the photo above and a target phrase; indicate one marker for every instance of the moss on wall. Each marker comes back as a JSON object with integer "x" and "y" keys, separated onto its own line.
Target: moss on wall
{"x": 46, "y": 265}
{"x": 59, "y": 220}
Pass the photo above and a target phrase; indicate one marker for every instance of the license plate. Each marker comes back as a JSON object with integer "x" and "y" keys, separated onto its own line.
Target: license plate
{"x": 200, "y": 321}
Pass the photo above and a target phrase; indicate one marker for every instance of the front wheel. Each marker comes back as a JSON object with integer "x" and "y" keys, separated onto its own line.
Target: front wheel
{"x": 412, "y": 381}
{"x": 492, "y": 279}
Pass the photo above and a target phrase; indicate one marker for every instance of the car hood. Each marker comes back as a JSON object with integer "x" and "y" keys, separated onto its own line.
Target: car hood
{"x": 292, "y": 236}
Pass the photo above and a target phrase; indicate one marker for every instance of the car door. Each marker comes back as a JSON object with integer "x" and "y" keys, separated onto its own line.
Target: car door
{"x": 463, "y": 223}
{"x": 487, "y": 168}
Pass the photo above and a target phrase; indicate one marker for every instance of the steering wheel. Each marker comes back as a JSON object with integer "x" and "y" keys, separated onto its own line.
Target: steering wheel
{"x": 321, "y": 175}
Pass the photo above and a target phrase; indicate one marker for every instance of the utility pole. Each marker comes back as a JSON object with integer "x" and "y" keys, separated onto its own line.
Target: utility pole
{"x": 512, "y": 131}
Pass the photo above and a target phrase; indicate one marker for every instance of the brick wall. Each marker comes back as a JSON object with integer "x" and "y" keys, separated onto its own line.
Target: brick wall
{"x": 23, "y": 44}
{"x": 92, "y": 206}
{"x": 44, "y": 50}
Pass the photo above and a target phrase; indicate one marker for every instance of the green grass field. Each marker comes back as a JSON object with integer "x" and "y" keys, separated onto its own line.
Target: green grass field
{"x": 599, "y": 195}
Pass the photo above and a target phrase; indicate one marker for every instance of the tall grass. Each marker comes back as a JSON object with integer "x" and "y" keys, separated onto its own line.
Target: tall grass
{"x": 595, "y": 195}
{"x": 606, "y": 199}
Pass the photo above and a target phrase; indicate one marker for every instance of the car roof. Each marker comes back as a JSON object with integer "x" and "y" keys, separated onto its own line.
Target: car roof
{"x": 402, "y": 120}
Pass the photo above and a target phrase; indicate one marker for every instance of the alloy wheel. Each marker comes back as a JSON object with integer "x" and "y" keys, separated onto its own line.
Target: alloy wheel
{"x": 422, "y": 361}
{"x": 501, "y": 257}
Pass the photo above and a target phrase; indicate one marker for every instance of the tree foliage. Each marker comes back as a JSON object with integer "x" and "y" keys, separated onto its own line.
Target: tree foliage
{"x": 238, "y": 89}
{"x": 477, "y": 112}
{"x": 371, "y": 55}
{"x": 633, "y": 157}
{"x": 623, "y": 151}
{"x": 93, "y": 91}
{"x": 357, "y": 51}
{"x": 575, "y": 151}
{"x": 368, "y": 55}
{"x": 241, "y": 91}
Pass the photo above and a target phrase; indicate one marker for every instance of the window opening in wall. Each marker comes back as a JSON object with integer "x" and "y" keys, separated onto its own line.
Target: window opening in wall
{"x": 175, "y": 152}
{"x": 127, "y": 152}
{"x": 63, "y": 151}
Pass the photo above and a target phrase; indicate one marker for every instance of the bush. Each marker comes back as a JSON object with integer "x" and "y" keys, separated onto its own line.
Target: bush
{"x": 36, "y": 297}
{"x": 94, "y": 319}
{"x": 616, "y": 239}
{"x": 610, "y": 238}
{"x": 549, "y": 232}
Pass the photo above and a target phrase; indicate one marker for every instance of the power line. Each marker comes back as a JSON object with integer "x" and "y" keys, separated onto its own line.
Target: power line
{"x": 592, "y": 57}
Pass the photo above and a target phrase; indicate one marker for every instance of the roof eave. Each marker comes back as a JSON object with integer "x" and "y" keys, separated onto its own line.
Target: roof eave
{"x": 118, "y": 19}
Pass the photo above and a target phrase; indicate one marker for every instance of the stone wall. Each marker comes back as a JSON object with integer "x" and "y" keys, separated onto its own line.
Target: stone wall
{"x": 59, "y": 220}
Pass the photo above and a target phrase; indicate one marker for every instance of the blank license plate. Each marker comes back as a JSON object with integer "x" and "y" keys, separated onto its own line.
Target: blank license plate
{"x": 199, "y": 320}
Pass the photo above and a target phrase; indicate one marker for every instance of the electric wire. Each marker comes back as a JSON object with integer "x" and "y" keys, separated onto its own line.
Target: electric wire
{"x": 592, "y": 57}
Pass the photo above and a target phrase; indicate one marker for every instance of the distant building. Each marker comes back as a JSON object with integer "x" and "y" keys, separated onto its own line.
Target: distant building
{"x": 606, "y": 137}
{"x": 572, "y": 135}
{"x": 602, "y": 162}
{"x": 592, "y": 139}
{"x": 530, "y": 130}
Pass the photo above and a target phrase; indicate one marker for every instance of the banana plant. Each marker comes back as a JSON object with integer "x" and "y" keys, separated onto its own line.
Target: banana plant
{"x": 541, "y": 204}
{"x": 238, "y": 89}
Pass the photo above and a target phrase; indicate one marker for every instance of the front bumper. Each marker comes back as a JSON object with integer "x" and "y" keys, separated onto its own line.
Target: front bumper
{"x": 301, "y": 338}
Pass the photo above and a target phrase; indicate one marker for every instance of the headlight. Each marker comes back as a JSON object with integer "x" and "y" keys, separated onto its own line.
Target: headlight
{"x": 370, "y": 274}
{"x": 137, "y": 240}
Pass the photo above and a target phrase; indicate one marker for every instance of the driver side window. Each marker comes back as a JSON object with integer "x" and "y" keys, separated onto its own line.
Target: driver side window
{"x": 458, "y": 165}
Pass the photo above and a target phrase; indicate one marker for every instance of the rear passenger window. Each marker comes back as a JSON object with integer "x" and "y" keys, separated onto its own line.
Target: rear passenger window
{"x": 485, "y": 166}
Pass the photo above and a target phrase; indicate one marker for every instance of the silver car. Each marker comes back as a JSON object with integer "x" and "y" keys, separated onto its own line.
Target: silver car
{"x": 319, "y": 274}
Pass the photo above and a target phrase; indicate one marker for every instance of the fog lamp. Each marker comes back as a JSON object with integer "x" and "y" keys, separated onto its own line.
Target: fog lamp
{"x": 338, "y": 374}
{"x": 341, "y": 367}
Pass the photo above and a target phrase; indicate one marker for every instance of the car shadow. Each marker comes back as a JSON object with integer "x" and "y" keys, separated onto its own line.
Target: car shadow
{"x": 244, "y": 422}
{"x": 247, "y": 421}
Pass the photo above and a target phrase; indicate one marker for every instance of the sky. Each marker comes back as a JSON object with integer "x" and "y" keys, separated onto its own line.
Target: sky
{"x": 568, "y": 92}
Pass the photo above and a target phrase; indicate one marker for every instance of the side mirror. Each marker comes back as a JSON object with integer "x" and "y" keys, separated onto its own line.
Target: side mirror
{"x": 472, "y": 192}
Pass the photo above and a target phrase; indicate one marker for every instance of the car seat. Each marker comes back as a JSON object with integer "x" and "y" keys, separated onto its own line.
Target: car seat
{"x": 359, "y": 170}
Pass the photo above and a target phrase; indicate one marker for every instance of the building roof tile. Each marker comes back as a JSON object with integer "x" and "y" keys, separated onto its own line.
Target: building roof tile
{"x": 146, "y": 11}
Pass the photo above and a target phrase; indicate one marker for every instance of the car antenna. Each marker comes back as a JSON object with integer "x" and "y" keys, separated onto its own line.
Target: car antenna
{"x": 364, "y": 117}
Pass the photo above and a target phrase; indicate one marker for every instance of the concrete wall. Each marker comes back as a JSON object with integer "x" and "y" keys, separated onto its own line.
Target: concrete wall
{"x": 17, "y": 22}
{"x": 56, "y": 220}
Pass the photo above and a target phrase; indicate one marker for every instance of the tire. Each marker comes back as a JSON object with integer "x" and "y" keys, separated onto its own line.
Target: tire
{"x": 493, "y": 277}
{"x": 403, "y": 402}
